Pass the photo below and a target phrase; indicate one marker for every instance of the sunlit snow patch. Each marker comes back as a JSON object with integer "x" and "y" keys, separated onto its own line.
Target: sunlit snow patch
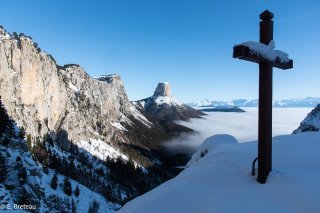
{"x": 118, "y": 126}
{"x": 167, "y": 100}
{"x": 211, "y": 144}
{"x": 73, "y": 87}
{"x": 137, "y": 115}
{"x": 101, "y": 150}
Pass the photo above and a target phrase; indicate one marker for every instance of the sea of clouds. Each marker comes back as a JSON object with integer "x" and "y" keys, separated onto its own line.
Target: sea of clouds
{"x": 243, "y": 126}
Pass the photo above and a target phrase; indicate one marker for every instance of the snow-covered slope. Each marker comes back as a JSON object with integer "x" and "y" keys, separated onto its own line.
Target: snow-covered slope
{"x": 297, "y": 102}
{"x": 311, "y": 122}
{"x": 25, "y": 184}
{"x": 218, "y": 179}
{"x": 165, "y": 107}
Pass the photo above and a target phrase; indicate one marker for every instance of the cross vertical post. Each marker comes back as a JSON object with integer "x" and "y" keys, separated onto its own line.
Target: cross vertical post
{"x": 265, "y": 103}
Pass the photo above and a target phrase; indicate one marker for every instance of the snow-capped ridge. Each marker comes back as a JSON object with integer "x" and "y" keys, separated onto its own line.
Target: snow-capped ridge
{"x": 167, "y": 100}
{"x": 294, "y": 102}
{"x": 4, "y": 34}
{"x": 162, "y": 105}
{"x": 108, "y": 78}
{"x": 311, "y": 122}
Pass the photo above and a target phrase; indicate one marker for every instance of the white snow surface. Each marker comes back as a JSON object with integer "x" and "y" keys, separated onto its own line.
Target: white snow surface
{"x": 167, "y": 100}
{"x": 101, "y": 149}
{"x": 266, "y": 51}
{"x": 137, "y": 115}
{"x": 220, "y": 180}
{"x": 4, "y": 35}
{"x": 118, "y": 126}
{"x": 73, "y": 87}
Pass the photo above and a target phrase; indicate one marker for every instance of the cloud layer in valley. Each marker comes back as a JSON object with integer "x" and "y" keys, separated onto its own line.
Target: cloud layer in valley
{"x": 243, "y": 126}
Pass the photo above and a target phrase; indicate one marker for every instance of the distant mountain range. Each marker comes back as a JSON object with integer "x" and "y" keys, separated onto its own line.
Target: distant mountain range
{"x": 297, "y": 102}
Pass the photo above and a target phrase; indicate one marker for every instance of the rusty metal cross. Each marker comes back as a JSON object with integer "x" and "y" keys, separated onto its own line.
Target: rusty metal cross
{"x": 267, "y": 58}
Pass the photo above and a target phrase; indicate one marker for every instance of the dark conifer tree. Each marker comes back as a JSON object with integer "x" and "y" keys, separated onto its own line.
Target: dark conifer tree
{"x": 22, "y": 174}
{"x": 22, "y": 132}
{"x": 4, "y": 118}
{"x": 3, "y": 168}
{"x": 77, "y": 191}
{"x": 67, "y": 186}
{"x": 10, "y": 128}
{"x": 23, "y": 197}
{"x": 29, "y": 141}
{"x": 94, "y": 207}
{"x": 54, "y": 182}
{"x": 73, "y": 207}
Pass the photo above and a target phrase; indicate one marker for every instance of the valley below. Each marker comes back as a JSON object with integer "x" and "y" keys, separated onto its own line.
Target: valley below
{"x": 243, "y": 126}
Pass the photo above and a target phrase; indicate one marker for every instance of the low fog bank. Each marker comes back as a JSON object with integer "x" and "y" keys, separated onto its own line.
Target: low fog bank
{"x": 243, "y": 126}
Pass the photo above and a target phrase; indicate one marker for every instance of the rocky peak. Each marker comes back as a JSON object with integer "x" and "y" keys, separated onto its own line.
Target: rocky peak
{"x": 163, "y": 106}
{"x": 4, "y": 34}
{"x": 109, "y": 78}
{"x": 163, "y": 89}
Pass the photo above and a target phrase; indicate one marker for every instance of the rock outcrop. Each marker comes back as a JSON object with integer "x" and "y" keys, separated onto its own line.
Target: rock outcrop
{"x": 311, "y": 122}
{"x": 162, "y": 106}
{"x": 44, "y": 97}
{"x": 163, "y": 89}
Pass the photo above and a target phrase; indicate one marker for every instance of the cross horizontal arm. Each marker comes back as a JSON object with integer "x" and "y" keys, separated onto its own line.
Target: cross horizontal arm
{"x": 244, "y": 53}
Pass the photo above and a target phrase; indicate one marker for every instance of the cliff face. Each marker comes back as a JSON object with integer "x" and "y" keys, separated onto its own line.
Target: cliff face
{"x": 43, "y": 97}
{"x": 67, "y": 103}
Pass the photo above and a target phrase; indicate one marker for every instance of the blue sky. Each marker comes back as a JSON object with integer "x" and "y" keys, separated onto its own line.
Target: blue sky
{"x": 187, "y": 43}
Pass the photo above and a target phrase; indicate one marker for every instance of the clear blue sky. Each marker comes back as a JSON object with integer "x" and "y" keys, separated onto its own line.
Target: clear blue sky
{"x": 188, "y": 43}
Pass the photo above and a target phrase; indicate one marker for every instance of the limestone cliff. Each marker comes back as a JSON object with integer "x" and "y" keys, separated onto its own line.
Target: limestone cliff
{"x": 64, "y": 101}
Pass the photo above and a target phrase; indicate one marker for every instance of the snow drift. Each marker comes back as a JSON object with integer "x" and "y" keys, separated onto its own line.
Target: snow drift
{"x": 220, "y": 180}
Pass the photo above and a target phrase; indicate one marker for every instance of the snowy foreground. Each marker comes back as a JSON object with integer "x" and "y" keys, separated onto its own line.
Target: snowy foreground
{"x": 218, "y": 179}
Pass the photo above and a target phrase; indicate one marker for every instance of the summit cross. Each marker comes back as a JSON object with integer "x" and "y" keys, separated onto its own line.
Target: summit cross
{"x": 264, "y": 54}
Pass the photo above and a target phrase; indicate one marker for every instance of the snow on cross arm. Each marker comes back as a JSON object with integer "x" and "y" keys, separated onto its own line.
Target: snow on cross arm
{"x": 267, "y": 51}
